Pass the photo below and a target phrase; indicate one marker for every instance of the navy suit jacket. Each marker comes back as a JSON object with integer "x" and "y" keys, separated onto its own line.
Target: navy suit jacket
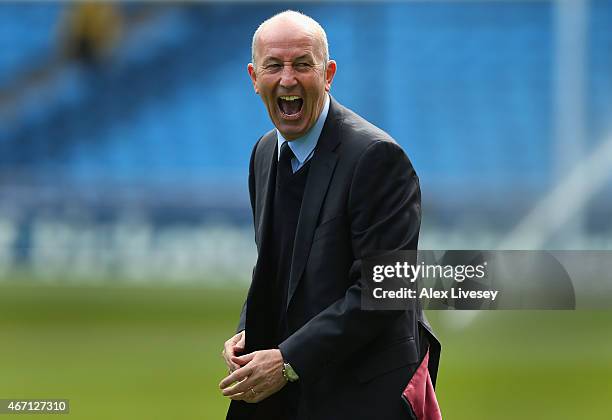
{"x": 362, "y": 198}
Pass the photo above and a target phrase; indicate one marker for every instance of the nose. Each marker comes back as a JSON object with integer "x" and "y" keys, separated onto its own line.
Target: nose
{"x": 288, "y": 79}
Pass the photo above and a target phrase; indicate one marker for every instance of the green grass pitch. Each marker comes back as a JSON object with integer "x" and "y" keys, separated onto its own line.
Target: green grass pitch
{"x": 153, "y": 352}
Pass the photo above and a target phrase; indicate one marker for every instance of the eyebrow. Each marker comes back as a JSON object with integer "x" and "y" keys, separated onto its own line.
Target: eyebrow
{"x": 276, "y": 59}
{"x": 303, "y": 57}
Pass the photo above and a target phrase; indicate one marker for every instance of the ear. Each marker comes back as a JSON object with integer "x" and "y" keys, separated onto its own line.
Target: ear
{"x": 253, "y": 76}
{"x": 330, "y": 72}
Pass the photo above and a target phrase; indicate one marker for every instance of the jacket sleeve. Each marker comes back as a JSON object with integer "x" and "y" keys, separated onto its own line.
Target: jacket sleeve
{"x": 252, "y": 192}
{"x": 384, "y": 207}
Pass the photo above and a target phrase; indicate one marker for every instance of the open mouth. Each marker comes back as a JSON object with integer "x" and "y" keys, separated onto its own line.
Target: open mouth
{"x": 290, "y": 106}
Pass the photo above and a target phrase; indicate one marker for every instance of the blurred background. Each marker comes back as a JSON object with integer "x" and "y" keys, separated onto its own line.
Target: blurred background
{"x": 126, "y": 240}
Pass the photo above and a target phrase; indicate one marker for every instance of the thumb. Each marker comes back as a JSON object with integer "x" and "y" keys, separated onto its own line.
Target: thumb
{"x": 243, "y": 360}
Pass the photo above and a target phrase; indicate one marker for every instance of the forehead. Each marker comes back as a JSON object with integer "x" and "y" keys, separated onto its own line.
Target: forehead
{"x": 286, "y": 41}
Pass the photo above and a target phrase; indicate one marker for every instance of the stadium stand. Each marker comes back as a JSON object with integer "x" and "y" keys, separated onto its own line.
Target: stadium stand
{"x": 165, "y": 120}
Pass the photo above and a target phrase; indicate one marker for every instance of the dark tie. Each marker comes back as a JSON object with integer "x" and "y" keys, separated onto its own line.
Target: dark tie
{"x": 284, "y": 169}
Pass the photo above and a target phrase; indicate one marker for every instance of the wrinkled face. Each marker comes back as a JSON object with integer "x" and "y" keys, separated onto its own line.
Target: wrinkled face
{"x": 291, "y": 76}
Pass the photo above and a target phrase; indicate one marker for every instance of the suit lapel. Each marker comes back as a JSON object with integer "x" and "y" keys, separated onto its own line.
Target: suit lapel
{"x": 256, "y": 320}
{"x": 319, "y": 176}
{"x": 265, "y": 166}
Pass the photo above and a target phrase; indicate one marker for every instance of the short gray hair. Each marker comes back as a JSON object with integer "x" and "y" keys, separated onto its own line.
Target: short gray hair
{"x": 317, "y": 29}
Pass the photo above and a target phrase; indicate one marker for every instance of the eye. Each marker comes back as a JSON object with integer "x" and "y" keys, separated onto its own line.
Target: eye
{"x": 303, "y": 66}
{"x": 272, "y": 67}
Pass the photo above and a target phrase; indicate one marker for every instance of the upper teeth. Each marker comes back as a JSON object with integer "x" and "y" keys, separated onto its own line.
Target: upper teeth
{"x": 289, "y": 98}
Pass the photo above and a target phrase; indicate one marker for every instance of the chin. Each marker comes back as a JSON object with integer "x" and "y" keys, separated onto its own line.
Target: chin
{"x": 289, "y": 136}
{"x": 290, "y": 133}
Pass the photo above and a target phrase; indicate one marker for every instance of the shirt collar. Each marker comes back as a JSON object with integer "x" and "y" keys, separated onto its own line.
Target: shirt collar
{"x": 302, "y": 147}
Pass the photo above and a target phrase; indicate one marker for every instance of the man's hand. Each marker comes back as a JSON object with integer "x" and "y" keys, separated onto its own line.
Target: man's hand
{"x": 260, "y": 376}
{"x": 231, "y": 347}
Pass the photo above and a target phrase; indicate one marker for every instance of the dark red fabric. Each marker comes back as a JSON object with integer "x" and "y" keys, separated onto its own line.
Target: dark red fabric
{"x": 421, "y": 395}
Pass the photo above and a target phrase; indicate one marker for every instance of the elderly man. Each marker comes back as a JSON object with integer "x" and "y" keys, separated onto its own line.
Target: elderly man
{"x": 328, "y": 189}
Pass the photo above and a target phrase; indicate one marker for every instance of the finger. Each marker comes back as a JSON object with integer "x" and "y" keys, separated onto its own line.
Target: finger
{"x": 228, "y": 353}
{"x": 229, "y": 344}
{"x": 237, "y": 361}
{"x": 241, "y": 397}
{"x": 244, "y": 386}
{"x": 246, "y": 397}
{"x": 244, "y": 359}
{"x": 236, "y": 376}
{"x": 230, "y": 364}
{"x": 249, "y": 397}
{"x": 232, "y": 367}
{"x": 241, "y": 342}
{"x": 251, "y": 387}
{"x": 227, "y": 358}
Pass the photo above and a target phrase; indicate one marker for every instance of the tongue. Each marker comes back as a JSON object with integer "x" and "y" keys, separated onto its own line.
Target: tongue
{"x": 291, "y": 107}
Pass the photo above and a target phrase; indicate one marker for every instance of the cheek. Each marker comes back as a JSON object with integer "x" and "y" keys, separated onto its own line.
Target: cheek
{"x": 263, "y": 86}
{"x": 265, "y": 93}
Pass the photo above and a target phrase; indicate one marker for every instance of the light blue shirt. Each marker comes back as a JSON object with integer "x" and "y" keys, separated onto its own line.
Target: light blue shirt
{"x": 303, "y": 147}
